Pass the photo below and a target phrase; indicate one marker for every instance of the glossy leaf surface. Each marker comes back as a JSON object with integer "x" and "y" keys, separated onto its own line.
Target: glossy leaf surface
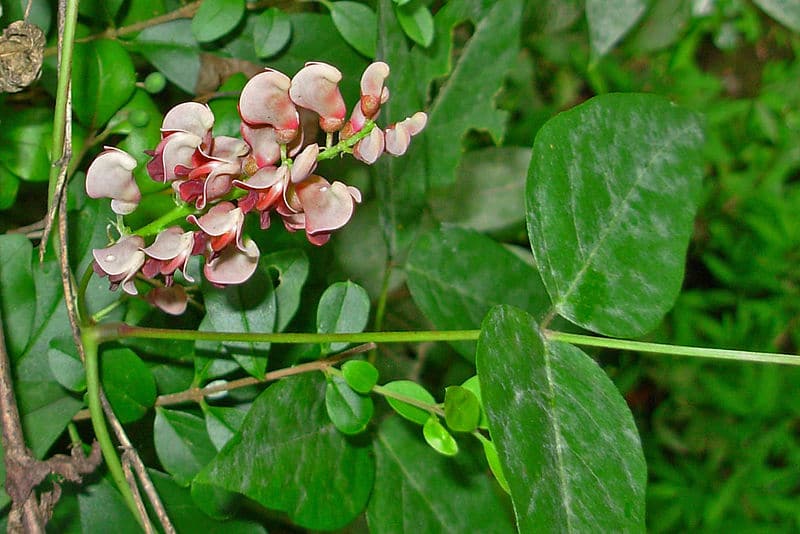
{"x": 456, "y": 275}
{"x": 343, "y": 308}
{"x": 348, "y": 410}
{"x": 609, "y": 221}
{"x": 215, "y": 18}
{"x": 787, "y": 12}
{"x": 295, "y": 459}
{"x": 182, "y": 443}
{"x": 565, "y": 437}
{"x": 412, "y": 390}
{"x": 272, "y": 31}
{"x": 418, "y": 490}
{"x": 103, "y": 80}
{"x": 357, "y": 23}
{"x": 128, "y": 383}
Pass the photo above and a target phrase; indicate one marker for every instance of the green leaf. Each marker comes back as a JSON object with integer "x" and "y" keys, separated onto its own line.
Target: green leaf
{"x": 464, "y": 102}
{"x": 66, "y": 365}
{"x": 473, "y": 384}
{"x": 285, "y": 428}
{"x": 787, "y": 12}
{"x": 25, "y": 143}
{"x": 292, "y": 269}
{"x": 273, "y": 29}
{"x": 171, "y": 49}
{"x": 489, "y": 192}
{"x": 490, "y": 451}
{"x": 360, "y": 375}
{"x": 412, "y": 390}
{"x": 215, "y": 18}
{"x": 438, "y": 437}
{"x": 565, "y": 437}
{"x": 462, "y": 410}
{"x": 343, "y": 308}
{"x": 610, "y": 20}
{"x": 45, "y": 409}
{"x": 9, "y": 185}
{"x": 417, "y": 22}
{"x": 222, "y": 423}
{"x": 188, "y": 517}
{"x": 349, "y": 411}
{"x": 214, "y": 501}
{"x": 83, "y": 507}
{"x": 248, "y": 307}
{"x": 103, "y": 79}
{"x": 427, "y": 492}
{"x": 182, "y": 444}
{"x": 456, "y": 275}
{"x": 358, "y": 25}
{"x": 17, "y": 291}
{"x": 611, "y": 196}
{"x": 128, "y": 383}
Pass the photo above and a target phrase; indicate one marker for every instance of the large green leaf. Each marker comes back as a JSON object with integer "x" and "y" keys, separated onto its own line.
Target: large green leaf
{"x": 172, "y": 49}
{"x": 489, "y": 193}
{"x": 103, "y": 79}
{"x": 215, "y": 18}
{"x": 464, "y": 102}
{"x": 611, "y": 196}
{"x": 83, "y": 507}
{"x": 610, "y": 20}
{"x": 787, "y": 12}
{"x": 182, "y": 443}
{"x": 26, "y": 142}
{"x": 357, "y": 23}
{"x": 294, "y": 458}
{"x": 45, "y": 409}
{"x": 418, "y": 490}
{"x": 128, "y": 383}
{"x": 248, "y": 307}
{"x": 456, "y": 275}
{"x": 565, "y": 437}
{"x": 17, "y": 291}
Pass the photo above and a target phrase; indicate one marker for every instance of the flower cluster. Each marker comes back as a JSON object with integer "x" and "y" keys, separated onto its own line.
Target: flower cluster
{"x": 222, "y": 179}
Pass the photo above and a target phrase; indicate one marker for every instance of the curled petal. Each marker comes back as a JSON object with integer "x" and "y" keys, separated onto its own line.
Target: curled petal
{"x": 327, "y": 207}
{"x": 228, "y": 149}
{"x": 223, "y": 223}
{"x": 316, "y": 87}
{"x": 189, "y": 117}
{"x": 371, "y": 147}
{"x": 121, "y": 261}
{"x": 263, "y": 142}
{"x": 305, "y": 163}
{"x": 111, "y": 176}
{"x": 171, "y": 300}
{"x": 175, "y": 152}
{"x": 265, "y": 101}
{"x": 398, "y": 136}
{"x": 372, "y": 88}
{"x": 172, "y": 248}
{"x": 233, "y": 265}
{"x": 265, "y": 178}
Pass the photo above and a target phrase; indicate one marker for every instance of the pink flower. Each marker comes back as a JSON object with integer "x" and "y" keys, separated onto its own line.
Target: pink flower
{"x": 233, "y": 265}
{"x": 120, "y": 262}
{"x": 318, "y": 207}
{"x": 111, "y": 176}
{"x": 265, "y": 102}
{"x": 398, "y": 136}
{"x": 316, "y": 87}
{"x": 223, "y": 224}
{"x": 171, "y": 300}
{"x": 169, "y": 252}
{"x": 212, "y": 172}
{"x": 371, "y": 147}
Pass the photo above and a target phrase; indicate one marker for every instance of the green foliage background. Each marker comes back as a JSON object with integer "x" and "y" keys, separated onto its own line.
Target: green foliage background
{"x": 720, "y": 439}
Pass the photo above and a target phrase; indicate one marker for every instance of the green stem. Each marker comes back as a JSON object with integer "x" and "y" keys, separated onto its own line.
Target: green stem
{"x": 112, "y": 331}
{"x": 675, "y": 350}
{"x": 178, "y": 212}
{"x": 347, "y": 144}
{"x": 83, "y": 311}
{"x": 62, "y": 95}
{"x": 90, "y": 345}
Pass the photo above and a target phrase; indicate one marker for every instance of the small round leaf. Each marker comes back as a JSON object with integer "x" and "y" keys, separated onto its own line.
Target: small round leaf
{"x": 216, "y": 18}
{"x": 358, "y": 25}
{"x": 272, "y": 30}
{"x": 438, "y": 437}
{"x": 412, "y": 390}
{"x": 360, "y": 375}
{"x": 349, "y": 411}
{"x": 417, "y": 22}
{"x": 474, "y": 386}
{"x": 462, "y": 411}
{"x": 494, "y": 462}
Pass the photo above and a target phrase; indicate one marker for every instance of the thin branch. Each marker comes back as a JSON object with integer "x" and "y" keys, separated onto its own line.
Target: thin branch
{"x": 126, "y": 468}
{"x": 132, "y": 457}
